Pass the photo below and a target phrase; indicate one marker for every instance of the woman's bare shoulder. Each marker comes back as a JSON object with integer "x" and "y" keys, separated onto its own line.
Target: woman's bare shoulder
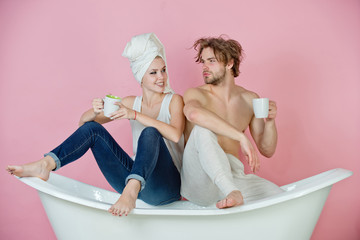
{"x": 128, "y": 101}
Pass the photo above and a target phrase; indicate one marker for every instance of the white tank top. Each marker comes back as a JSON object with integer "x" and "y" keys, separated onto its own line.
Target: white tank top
{"x": 176, "y": 149}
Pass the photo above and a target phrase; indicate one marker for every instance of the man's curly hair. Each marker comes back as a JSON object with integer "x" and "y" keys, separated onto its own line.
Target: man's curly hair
{"x": 224, "y": 50}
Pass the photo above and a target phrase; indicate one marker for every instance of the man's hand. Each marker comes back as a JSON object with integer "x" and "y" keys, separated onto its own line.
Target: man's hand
{"x": 250, "y": 153}
{"x": 272, "y": 111}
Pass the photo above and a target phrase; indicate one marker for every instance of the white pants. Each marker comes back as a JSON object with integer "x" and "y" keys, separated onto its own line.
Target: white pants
{"x": 209, "y": 174}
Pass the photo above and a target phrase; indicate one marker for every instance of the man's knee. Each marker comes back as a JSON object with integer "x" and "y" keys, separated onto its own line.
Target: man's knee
{"x": 201, "y": 133}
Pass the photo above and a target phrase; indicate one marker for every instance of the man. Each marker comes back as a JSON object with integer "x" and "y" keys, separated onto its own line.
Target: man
{"x": 218, "y": 113}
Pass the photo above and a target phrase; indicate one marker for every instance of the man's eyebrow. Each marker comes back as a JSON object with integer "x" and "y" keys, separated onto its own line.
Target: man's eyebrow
{"x": 209, "y": 58}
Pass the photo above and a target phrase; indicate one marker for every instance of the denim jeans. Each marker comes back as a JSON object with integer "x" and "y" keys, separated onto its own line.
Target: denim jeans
{"x": 153, "y": 165}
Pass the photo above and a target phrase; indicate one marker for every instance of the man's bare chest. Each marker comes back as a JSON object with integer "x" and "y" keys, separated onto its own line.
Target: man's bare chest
{"x": 237, "y": 113}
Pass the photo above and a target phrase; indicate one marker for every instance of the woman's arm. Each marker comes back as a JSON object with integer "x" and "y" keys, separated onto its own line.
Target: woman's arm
{"x": 95, "y": 113}
{"x": 172, "y": 131}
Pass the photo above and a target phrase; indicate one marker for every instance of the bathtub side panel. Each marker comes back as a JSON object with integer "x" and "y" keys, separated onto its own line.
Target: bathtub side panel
{"x": 294, "y": 219}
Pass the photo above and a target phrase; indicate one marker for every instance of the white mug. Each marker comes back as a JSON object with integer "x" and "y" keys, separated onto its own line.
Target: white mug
{"x": 261, "y": 107}
{"x": 109, "y": 104}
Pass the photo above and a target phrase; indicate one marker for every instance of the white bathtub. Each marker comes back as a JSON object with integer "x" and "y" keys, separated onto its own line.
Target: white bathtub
{"x": 79, "y": 211}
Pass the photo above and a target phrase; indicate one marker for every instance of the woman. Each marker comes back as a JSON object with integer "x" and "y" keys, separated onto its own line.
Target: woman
{"x": 157, "y": 123}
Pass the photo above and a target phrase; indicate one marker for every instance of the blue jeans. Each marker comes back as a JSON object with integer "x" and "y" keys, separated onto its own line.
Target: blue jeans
{"x": 153, "y": 165}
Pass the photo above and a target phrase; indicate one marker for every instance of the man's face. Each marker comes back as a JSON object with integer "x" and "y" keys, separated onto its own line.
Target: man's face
{"x": 213, "y": 70}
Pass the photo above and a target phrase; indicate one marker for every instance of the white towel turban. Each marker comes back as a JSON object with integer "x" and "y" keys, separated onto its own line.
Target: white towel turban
{"x": 141, "y": 51}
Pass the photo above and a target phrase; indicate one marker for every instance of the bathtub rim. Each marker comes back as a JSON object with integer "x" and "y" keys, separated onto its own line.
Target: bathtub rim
{"x": 293, "y": 190}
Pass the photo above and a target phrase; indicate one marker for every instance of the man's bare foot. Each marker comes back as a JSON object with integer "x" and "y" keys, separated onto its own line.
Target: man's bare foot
{"x": 127, "y": 200}
{"x": 234, "y": 198}
{"x": 40, "y": 169}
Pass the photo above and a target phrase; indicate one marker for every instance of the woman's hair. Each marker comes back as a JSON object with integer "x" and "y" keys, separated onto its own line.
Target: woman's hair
{"x": 224, "y": 50}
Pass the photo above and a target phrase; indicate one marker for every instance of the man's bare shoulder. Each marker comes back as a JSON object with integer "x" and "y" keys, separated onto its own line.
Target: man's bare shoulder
{"x": 202, "y": 89}
{"x": 246, "y": 94}
{"x": 195, "y": 93}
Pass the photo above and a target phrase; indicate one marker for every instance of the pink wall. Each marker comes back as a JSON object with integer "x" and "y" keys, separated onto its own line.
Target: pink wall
{"x": 55, "y": 56}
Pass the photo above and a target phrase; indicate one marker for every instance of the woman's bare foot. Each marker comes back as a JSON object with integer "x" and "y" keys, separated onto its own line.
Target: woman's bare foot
{"x": 127, "y": 200}
{"x": 234, "y": 198}
{"x": 40, "y": 169}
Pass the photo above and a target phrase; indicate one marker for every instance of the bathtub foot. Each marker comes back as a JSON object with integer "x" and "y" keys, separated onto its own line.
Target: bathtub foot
{"x": 127, "y": 200}
{"x": 40, "y": 169}
{"x": 234, "y": 199}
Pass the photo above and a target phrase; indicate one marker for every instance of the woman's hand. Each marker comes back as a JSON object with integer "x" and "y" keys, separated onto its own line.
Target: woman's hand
{"x": 98, "y": 105}
{"x": 93, "y": 113}
{"x": 123, "y": 112}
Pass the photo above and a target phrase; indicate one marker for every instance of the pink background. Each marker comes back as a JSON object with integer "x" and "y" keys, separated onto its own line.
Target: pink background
{"x": 56, "y": 56}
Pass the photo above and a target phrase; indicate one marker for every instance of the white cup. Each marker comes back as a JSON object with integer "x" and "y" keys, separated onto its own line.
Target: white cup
{"x": 261, "y": 107}
{"x": 109, "y": 104}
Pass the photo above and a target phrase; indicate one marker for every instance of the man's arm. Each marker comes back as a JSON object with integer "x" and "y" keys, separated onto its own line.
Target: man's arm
{"x": 264, "y": 132}
{"x": 196, "y": 113}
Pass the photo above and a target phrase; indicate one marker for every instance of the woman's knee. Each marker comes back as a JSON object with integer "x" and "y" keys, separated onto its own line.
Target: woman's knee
{"x": 159, "y": 198}
{"x": 150, "y": 133}
{"x": 91, "y": 125}
{"x": 91, "y": 128}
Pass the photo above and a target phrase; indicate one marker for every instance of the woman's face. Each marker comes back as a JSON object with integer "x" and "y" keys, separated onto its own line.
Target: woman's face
{"x": 155, "y": 77}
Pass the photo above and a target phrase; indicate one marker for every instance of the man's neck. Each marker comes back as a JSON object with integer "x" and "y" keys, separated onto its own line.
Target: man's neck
{"x": 225, "y": 89}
